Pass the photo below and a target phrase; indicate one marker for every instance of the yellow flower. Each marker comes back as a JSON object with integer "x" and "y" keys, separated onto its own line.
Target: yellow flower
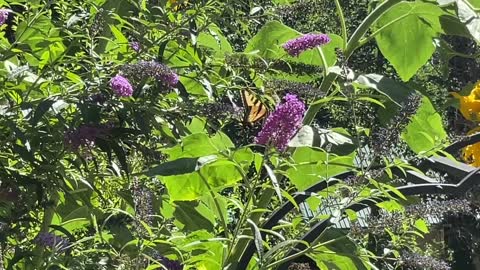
{"x": 471, "y": 153}
{"x": 470, "y": 105}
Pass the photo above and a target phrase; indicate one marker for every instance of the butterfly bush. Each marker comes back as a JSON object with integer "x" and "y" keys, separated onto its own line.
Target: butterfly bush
{"x": 3, "y": 16}
{"x": 166, "y": 262}
{"x": 50, "y": 240}
{"x": 135, "y": 45}
{"x": 121, "y": 86}
{"x": 283, "y": 123}
{"x": 84, "y": 136}
{"x": 151, "y": 69}
{"x": 296, "y": 46}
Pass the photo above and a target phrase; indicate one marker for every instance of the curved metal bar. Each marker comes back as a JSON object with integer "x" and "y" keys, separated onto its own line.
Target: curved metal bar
{"x": 451, "y": 149}
{"x": 448, "y": 189}
{"x": 420, "y": 188}
{"x": 281, "y": 212}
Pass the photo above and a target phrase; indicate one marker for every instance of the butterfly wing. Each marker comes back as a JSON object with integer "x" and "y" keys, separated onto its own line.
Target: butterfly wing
{"x": 178, "y": 4}
{"x": 254, "y": 109}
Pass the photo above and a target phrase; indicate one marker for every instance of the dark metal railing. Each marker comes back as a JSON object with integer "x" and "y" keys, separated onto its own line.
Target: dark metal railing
{"x": 420, "y": 184}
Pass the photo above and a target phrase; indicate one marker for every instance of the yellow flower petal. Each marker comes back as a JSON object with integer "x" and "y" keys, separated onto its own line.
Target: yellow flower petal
{"x": 470, "y": 105}
{"x": 471, "y": 153}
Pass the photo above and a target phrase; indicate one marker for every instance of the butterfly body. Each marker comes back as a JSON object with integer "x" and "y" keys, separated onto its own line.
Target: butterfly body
{"x": 255, "y": 110}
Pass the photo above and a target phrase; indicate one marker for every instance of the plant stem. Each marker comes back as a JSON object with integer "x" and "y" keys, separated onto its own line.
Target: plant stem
{"x": 324, "y": 61}
{"x": 217, "y": 205}
{"x": 352, "y": 45}
{"x": 302, "y": 252}
{"x": 342, "y": 23}
{"x": 255, "y": 217}
{"x": 48, "y": 213}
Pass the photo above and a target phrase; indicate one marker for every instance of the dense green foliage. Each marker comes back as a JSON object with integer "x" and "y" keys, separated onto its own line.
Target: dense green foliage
{"x": 108, "y": 162}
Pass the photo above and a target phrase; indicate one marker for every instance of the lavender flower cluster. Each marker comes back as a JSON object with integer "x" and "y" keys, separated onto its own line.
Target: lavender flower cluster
{"x": 282, "y": 124}
{"x": 168, "y": 263}
{"x": 219, "y": 111}
{"x": 439, "y": 208}
{"x": 299, "y": 266}
{"x": 84, "y": 136}
{"x": 433, "y": 208}
{"x": 3, "y": 16}
{"x": 143, "y": 202}
{"x": 151, "y": 69}
{"x": 50, "y": 240}
{"x": 296, "y": 46}
{"x": 136, "y": 46}
{"x": 385, "y": 138}
{"x": 303, "y": 90}
{"x": 417, "y": 261}
{"x": 121, "y": 86}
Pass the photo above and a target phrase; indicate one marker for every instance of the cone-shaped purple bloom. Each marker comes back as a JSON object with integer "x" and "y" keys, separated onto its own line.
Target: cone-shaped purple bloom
{"x": 3, "y": 16}
{"x": 283, "y": 123}
{"x": 121, "y": 86}
{"x": 84, "y": 136}
{"x": 296, "y": 46}
{"x": 171, "y": 264}
{"x": 50, "y": 240}
{"x": 135, "y": 45}
{"x": 151, "y": 69}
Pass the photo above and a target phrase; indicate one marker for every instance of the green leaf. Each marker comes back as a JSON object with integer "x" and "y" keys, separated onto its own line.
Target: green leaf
{"x": 194, "y": 216}
{"x": 175, "y": 167}
{"x": 425, "y": 131}
{"x": 396, "y": 93}
{"x": 186, "y": 187}
{"x": 421, "y": 225}
{"x": 407, "y": 37}
{"x": 338, "y": 139}
{"x": 269, "y": 40}
{"x": 40, "y": 111}
{"x": 312, "y": 166}
{"x": 200, "y": 144}
{"x": 207, "y": 253}
{"x": 120, "y": 43}
{"x": 306, "y": 136}
{"x": 213, "y": 38}
{"x": 339, "y": 255}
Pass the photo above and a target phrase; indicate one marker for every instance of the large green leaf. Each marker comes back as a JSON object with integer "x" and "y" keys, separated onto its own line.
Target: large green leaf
{"x": 213, "y": 38}
{"x": 425, "y": 131}
{"x": 207, "y": 251}
{"x": 268, "y": 42}
{"x": 406, "y": 39}
{"x": 42, "y": 38}
{"x": 194, "y": 216}
{"x": 313, "y": 165}
{"x": 200, "y": 144}
{"x": 339, "y": 255}
{"x": 186, "y": 187}
{"x": 397, "y": 92}
{"x": 337, "y": 139}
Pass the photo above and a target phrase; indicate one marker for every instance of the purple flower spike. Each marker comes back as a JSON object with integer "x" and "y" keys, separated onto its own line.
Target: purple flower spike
{"x": 151, "y": 69}
{"x": 3, "y": 15}
{"x": 50, "y": 240}
{"x": 135, "y": 45}
{"x": 283, "y": 123}
{"x": 296, "y": 46}
{"x": 85, "y": 136}
{"x": 121, "y": 86}
{"x": 171, "y": 264}
{"x": 170, "y": 79}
